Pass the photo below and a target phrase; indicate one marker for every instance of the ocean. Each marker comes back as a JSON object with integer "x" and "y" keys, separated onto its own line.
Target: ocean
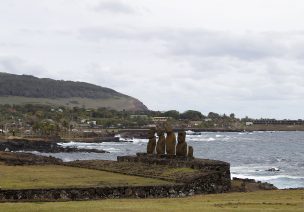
{"x": 274, "y": 157}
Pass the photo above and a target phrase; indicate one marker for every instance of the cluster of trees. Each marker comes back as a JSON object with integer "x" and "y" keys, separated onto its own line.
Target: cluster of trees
{"x": 47, "y": 120}
{"x": 196, "y": 115}
{"x": 46, "y": 128}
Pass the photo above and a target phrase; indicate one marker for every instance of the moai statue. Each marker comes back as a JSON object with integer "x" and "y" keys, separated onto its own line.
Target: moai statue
{"x": 190, "y": 152}
{"x": 161, "y": 143}
{"x": 170, "y": 140}
{"x": 181, "y": 147}
{"x": 152, "y": 142}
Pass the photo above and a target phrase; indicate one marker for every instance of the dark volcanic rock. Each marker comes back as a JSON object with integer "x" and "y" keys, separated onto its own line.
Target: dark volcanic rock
{"x": 93, "y": 140}
{"x": 248, "y": 185}
{"x": 18, "y": 158}
{"x": 141, "y": 134}
{"x": 41, "y": 146}
{"x": 273, "y": 170}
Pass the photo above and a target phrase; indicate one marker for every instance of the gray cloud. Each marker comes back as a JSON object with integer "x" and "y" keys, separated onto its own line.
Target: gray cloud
{"x": 116, "y": 6}
{"x": 19, "y": 66}
{"x": 199, "y": 43}
{"x": 220, "y": 44}
{"x": 169, "y": 58}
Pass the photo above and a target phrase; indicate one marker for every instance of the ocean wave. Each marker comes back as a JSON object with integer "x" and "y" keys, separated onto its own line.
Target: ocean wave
{"x": 253, "y": 169}
{"x": 300, "y": 164}
{"x": 82, "y": 145}
{"x": 267, "y": 178}
{"x": 208, "y": 137}
{"x": 189, "y": 132}
{"x": 138, "y": 140}
{"x": 112, "y": 150}
{"x": 33, "y": 152}
{"x": 71, "y": 156}
{"x": 280, "y": 181}
{"x": 201, "y": 139}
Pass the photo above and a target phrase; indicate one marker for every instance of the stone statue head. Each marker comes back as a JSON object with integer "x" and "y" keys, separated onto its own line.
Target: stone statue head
{"x": 160, "y": 131}
{"x": 181, "y": 138}
{"x": 168, "y": 128}
{"x": 151, "y": 133}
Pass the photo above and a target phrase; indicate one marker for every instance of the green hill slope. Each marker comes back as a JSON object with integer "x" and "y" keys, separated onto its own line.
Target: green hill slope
{"x": 24, "y": 89}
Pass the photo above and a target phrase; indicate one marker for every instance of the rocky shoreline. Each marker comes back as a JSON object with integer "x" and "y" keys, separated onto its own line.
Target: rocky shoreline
{"x": 249, "y": 185}
{"x": 92, "y": 140}
{"x": 21, "y": 159}
{"x": 40, "y": 146}
{"x": 142, "y": 133}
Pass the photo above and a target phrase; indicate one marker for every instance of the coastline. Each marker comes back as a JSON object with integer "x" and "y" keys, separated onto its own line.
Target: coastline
{"x": 141, "y": 132}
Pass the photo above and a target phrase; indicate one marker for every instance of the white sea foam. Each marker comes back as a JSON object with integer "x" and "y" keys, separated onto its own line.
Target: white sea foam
{"x": 267, "y": 178}
{"x": 107, "y": 146}
{"x": 189, "y": 132}
{"x": 112, "y": 150}
{"x": 253, "y": 169}
{"x": 138, "y": 140}
{"x": 280, "y": 178}
{"x": 201, "y": 139}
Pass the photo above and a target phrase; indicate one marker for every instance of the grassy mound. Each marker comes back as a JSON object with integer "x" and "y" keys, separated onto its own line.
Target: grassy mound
{"x": 55, "y": 176}
{"x": 139, "y": 169}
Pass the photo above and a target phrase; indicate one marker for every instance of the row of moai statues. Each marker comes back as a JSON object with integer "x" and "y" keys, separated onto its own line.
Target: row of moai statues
{"x": 167, "y": 145}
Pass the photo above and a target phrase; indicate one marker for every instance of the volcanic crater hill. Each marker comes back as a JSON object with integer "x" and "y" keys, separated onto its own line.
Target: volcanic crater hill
{"x": 25, "y": 89}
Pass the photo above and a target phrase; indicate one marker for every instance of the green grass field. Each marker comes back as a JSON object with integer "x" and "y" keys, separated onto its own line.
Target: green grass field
{"x": 278, "y": 200}
{"x": 118, "y": 103}
{"x": 54, "y": 176}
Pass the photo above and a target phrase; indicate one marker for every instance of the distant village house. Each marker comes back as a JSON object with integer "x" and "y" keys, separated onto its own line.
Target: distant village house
{"x": 160, "y": 119}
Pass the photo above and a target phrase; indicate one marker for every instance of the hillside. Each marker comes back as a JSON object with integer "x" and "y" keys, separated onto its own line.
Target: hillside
{"x": 25, "y": 89}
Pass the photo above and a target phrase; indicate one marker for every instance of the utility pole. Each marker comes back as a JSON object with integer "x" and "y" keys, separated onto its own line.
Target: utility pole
{"x": 70, "y": 119}
{"x": 69, "y": 126}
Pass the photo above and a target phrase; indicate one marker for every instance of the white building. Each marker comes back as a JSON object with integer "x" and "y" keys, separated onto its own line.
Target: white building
{"x": 160, "y": 119}
{"x": 249, "y": 123}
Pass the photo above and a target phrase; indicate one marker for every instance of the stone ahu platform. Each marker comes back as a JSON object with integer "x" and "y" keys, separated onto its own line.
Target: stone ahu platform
{"x": 205, "y": 177}
{"x": 214, "y": 175}
{"x": 179, "y": 161}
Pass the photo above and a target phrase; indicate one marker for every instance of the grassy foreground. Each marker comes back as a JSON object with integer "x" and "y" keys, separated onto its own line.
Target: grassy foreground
{"x": 278, "y": 200}
{"x": 54, "y": 176}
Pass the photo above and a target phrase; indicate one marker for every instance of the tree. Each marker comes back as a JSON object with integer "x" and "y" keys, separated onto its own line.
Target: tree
{"x": 172, "y": 113}
{"x": 232, "y": 115}
{"x": 213, "y": 115}
{"x": 192, "y": 115}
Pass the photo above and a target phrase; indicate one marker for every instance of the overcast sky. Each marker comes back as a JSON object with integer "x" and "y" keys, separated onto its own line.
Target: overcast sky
{"x": 240, "y": 56}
